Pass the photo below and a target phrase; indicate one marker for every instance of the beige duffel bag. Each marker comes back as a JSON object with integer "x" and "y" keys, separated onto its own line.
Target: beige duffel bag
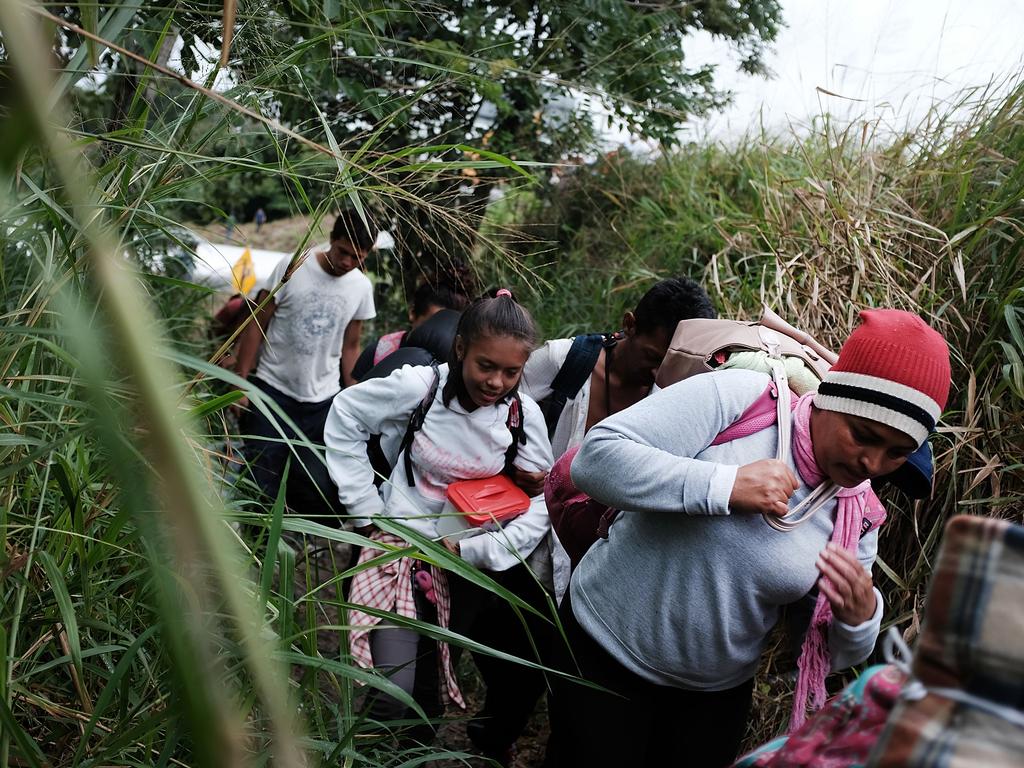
{"x": 702, "y": 345}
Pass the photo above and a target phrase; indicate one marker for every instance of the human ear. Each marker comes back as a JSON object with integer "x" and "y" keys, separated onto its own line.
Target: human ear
{"x": 460, "y": 348}
{"x": 629, "y": 322}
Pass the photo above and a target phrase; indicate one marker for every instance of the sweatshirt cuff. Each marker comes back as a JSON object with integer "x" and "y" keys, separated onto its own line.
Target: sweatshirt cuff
{"x": 723, "y": 478}
{"x": 362, "y": 510}
{"x": 855, "y": 630}
{"x": 473, "y": 549}
{"x": 487, "y": 552}
{"x": 851, "y": 644}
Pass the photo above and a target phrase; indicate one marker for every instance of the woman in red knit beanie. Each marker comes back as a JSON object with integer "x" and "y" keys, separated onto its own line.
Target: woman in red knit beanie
{"x": 672, "y": 610}
{"x": 894, "y": 370}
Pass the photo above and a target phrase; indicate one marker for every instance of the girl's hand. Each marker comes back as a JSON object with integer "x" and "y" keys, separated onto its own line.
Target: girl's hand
{"x": 532, "y": 483}
{"x": 846, "y": 584}
{"x": 763, "y": 488}
{"x": 452, "y": 546}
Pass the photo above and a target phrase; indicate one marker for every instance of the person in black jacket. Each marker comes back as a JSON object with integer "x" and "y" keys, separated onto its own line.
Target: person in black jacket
{"x": 449, "y": 287}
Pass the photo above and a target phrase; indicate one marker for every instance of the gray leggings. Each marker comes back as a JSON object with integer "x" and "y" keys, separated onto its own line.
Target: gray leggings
{"x": 394, "y": 652}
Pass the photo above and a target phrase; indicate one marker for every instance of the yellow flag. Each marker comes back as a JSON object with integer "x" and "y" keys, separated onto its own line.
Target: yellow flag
{"x": 243, "y": 274}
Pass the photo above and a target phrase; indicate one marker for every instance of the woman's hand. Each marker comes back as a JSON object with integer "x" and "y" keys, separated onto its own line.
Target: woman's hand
{"x": 763, "y": 488}
{"x": 846, "y": 584}
{"x": 532, "y": 483}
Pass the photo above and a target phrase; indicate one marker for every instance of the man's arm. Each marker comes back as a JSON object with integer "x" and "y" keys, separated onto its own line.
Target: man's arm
{"x": 350, "y": 351}
{"x": 251, "y": 339}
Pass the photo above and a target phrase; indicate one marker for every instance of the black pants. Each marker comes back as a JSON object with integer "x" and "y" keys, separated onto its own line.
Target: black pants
{"x": 646, "y": 724}
{"x": 512, "y": 689}
{"x": 310, "y": 493}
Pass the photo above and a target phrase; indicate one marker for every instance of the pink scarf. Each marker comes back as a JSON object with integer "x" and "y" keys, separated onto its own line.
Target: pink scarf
{"x": 854, "y": 504}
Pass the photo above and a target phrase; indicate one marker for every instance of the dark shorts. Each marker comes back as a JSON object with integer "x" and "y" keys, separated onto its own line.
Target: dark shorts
{"x": 310, "y": 492}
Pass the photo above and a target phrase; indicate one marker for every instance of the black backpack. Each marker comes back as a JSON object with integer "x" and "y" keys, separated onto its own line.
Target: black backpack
{"x": 573, "y": 374}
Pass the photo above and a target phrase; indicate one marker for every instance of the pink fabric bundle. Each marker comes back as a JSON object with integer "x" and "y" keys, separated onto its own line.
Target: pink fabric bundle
{"x": 854, "y": 505}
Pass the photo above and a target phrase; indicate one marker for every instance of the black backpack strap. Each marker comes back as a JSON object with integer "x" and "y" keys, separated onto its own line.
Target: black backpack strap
{"x": 573, "y": 374}
{"x": 517, "y": 428}
{"x": 419, "y": 415}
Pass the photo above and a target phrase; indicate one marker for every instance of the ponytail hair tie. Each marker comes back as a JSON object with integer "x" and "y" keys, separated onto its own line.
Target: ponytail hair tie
{"x": 503, "y": 292}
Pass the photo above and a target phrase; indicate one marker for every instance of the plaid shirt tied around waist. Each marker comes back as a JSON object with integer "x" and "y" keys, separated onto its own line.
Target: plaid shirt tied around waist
{"x": 389, "y": 587}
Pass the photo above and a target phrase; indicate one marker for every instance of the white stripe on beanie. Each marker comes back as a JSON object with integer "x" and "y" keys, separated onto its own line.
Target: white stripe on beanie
{"x": 909, "y": 426}
{"x": 888, "y": 387}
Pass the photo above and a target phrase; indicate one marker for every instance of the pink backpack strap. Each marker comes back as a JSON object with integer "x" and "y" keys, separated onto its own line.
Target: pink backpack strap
{"x": 761, "y": 414}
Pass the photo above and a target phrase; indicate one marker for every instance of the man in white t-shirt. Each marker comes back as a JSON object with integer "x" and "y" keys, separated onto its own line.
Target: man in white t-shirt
{"x": 306, "y": 340}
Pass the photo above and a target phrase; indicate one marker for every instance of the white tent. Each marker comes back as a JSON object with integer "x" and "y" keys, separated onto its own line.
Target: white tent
{"x": 213, "y": 263}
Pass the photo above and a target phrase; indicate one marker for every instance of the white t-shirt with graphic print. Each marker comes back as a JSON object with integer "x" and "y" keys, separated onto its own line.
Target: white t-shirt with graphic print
{"x": 301, "y": 354}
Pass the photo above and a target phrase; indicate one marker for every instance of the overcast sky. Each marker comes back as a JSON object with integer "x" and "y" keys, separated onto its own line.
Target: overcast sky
{"x": 890, "y": 59}
{"x": 896, "y": 56}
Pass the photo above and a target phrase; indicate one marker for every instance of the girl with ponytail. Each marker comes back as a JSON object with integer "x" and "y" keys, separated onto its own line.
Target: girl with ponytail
{"x": 477, "y": 426}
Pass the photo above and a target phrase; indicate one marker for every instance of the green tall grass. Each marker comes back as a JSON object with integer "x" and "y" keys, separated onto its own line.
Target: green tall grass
{"x": 153, "y": 612}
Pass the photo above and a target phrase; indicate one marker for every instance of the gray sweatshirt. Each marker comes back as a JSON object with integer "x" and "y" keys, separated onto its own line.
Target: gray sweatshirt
{"x": 682, "y": 592}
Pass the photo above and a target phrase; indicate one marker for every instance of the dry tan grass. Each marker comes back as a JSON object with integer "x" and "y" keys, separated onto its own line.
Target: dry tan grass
{"x": 279, "y": 235}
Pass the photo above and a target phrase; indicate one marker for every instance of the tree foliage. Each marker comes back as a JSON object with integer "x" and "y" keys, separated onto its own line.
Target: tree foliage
{"x": 380, "y": 79}
{"x": 521, "y": 77}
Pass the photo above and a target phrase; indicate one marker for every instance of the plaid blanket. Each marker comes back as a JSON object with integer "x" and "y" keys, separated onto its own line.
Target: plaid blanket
{"x": 972, "y": 640}
{"x": 389, "y": 587}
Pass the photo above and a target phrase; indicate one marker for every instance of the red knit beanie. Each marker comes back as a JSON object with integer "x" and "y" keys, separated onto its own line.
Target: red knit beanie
{"x": 893, "y": 369}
